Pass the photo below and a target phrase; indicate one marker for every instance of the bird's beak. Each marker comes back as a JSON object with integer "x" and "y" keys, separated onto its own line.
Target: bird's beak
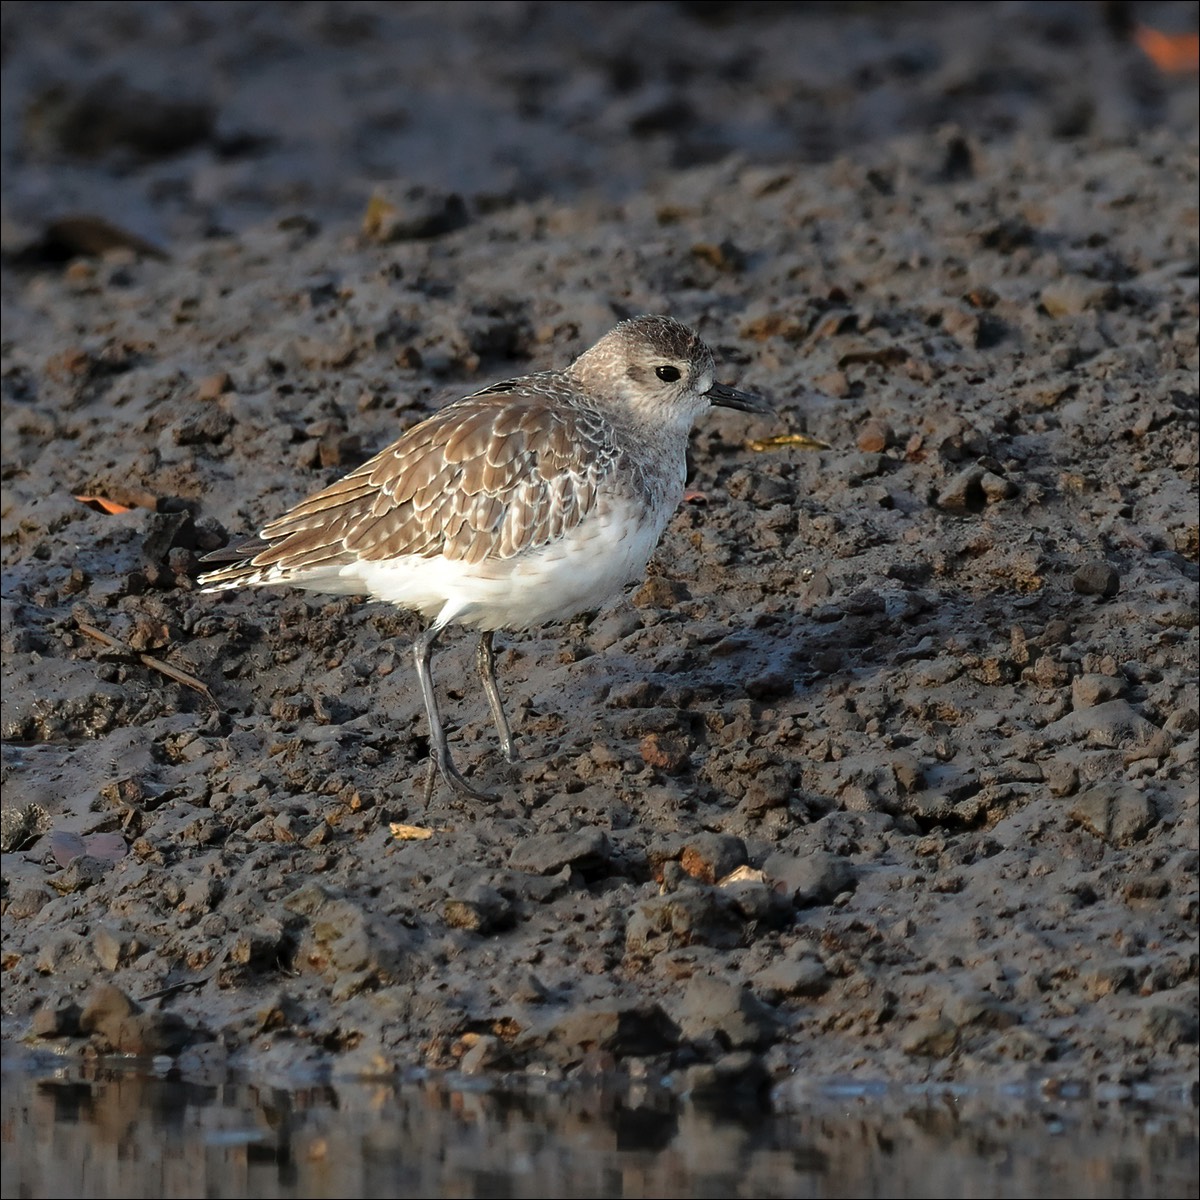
{"x": 722, "y": 396}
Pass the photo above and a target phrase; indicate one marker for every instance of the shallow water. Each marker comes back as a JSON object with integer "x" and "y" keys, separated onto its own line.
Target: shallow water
{"x": 125, "y": 1131}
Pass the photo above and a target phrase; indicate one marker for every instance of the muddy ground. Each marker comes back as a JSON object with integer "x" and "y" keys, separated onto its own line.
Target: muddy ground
{"x": 889, "y": 769}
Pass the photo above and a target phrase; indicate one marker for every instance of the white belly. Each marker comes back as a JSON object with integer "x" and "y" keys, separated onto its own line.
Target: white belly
{"x": 552, "y": 583}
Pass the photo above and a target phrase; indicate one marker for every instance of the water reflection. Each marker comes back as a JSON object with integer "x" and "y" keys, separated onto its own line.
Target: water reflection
{"x": 110, "y": 1132}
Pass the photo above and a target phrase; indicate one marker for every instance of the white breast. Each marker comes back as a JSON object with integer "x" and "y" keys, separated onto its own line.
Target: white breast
{"x": 575, "y": 574}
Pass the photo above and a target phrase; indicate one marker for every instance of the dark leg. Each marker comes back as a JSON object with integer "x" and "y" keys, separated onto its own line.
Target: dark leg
{"x": 439, "y": 751}
{"x": 485, "y": 660}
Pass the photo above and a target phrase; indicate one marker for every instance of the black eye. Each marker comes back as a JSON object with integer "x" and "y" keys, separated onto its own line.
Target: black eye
{"x": 667, "y": 374}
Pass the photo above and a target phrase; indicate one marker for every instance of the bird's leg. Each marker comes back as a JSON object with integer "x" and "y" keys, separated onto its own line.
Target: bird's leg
{"x": 439, "y": 751}
{"x": 485, "y": 660}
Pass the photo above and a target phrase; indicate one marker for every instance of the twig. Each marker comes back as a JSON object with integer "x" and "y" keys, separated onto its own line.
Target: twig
{"x": 148, "y": 660}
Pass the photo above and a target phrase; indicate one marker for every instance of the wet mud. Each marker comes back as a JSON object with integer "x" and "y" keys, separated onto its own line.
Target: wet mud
{"x": 888, "y": 770}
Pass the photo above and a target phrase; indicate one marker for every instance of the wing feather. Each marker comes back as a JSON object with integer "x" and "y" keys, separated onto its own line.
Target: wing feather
{"x": 487, "y": 477}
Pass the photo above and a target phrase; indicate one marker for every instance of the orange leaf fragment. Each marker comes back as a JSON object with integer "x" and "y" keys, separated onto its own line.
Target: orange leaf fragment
{"x": 103, "y": 504}
{"x": 1171, "y": 53}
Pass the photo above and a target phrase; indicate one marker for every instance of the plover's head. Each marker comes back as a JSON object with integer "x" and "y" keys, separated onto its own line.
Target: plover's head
{"x": 658, "y": 368}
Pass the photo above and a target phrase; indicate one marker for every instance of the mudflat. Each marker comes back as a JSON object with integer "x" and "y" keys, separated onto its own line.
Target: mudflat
{"x": 889, "y": 768}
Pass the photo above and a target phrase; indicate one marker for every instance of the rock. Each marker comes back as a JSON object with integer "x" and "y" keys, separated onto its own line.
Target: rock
{"x": 930, "y": 1037}
{"x": 732, "y": 1082}
{"x": 875, "y": 436}
{"x": 114, "y": 948}
{"x": 486, "y": 1053}
{"x": 709, "y": 857}
{"x": 980, "y": 1009}
{"x": 1089, "y": 690}
{"x": 815, "y": 879}
{"x": 480, "y": 909}
{"x": 1113, "y": 723}
{"x": 1097, "y": 579}
{"x": 804, "y": 976}
{"x": 1075, "y": 294}
{"x": 1166, "y": 1027}
{"x": 665, "y": 753}
{"x": 406, "y": 214}
{"x": 712, "y": 1006}
{"x": 623, "y": 1029}
{"x": 57, "y": 1017}
{"x": 692, "y": 916}
{"x": 82, "y": 873}
{"x": 1116, "y": 812}
{"x": 546, "y": 854}
{"x": 964, "y": 493}
{"x": 116, "y": 1025}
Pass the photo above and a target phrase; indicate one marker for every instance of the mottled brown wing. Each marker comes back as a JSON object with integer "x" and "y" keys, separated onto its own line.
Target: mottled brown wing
{"x": 487, "y": 477}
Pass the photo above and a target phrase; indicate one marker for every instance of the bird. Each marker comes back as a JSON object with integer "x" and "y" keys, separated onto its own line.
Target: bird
{"x": 523, "y": 504}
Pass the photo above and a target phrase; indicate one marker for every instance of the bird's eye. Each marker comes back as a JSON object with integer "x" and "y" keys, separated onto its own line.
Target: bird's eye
{"x": 667, "y": 374}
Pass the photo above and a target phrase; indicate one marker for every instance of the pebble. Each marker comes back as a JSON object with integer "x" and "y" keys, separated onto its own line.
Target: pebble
{"x": 1116, "y": 812}
{"x": 1097, "y": 579}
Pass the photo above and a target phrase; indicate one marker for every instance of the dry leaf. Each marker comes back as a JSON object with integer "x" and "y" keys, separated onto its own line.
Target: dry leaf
{"x": 102, "y": 504}
{"x": 1171, "y": 53}
{"x": 800, "y": 441}
{"x": 742, "y": 874}
{"x": 409, "y": 833}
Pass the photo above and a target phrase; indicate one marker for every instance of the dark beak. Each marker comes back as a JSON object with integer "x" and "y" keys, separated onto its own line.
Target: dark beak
{"x": 722, "y": 396}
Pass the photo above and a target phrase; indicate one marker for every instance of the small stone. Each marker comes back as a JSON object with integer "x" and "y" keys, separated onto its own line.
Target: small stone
{"x": 1097, "y": 579}
{"x": 875, "y": 436}
{"x": 931, "y": 1037}
{"x": 659, "y": 592}
{"x": 485, "y": 1053}
{"x": 547, "y": 854}
{"x": 1062, "y": 777}
{"x": 57, "y": 1017}
{"x": 1116, "y": 812}
{"x": 664, "y": 753}
{"x": 212, "y": 386}
{"x": 1089, "y": 690}
{"x": 964, "y": 493}
{"x": 1165, "y": 1027}
{"x": 709, "y": 857}
{"x": 405, "y": 214}
{"x": 731, "y": 1082}
{"x": 692, "y": 916}
{"x": 1075, "y": 294}
{"x": 805, "y": 976}
{"x": 480, "y": 909}
{"x": 718, "y": 1006}
{"x": 815, "y": 879}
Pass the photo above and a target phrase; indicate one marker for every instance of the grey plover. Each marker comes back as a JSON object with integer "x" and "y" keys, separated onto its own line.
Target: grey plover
{"x": 528, "y": 502}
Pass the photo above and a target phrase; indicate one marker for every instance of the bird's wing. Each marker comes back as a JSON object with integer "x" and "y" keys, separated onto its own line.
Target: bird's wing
{"x": 486, "y": 477}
